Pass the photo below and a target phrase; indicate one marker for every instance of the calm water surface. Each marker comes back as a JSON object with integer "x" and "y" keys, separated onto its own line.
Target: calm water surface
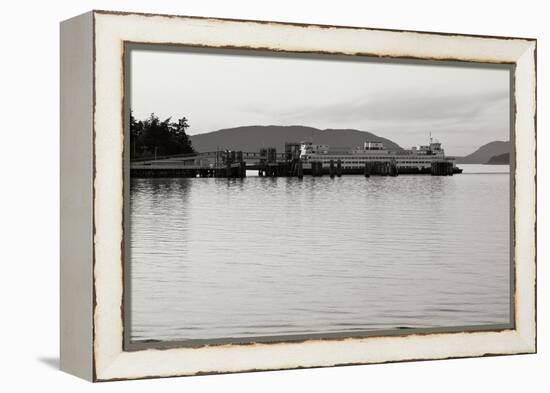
{"x": 213, "y": 258}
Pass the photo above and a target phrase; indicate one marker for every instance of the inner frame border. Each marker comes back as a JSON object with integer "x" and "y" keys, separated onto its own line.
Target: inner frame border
{"x": 129, "y": 345}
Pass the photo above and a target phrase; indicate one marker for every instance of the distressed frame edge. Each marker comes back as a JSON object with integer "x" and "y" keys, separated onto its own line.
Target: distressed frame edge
{"x": 304, "y": 24}
{"x": 525, "y": 194}
{"x": 526, "y": 340}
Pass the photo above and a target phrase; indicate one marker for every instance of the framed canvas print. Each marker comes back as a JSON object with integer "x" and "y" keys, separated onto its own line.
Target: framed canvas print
{"x": 246, "y": 195}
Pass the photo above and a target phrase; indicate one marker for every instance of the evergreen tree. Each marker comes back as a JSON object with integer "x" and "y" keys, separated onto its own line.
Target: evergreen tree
{"x": 155, "y": 137}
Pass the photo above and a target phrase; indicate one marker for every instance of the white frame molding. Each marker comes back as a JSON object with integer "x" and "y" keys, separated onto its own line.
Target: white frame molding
{"x": 92, "y": 273}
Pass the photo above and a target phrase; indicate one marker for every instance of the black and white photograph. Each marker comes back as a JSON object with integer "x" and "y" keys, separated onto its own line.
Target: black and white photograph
{"x": 276, "y": 196}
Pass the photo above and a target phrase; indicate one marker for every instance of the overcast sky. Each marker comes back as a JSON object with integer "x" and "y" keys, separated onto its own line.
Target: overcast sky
{"x": 462, "y": 107}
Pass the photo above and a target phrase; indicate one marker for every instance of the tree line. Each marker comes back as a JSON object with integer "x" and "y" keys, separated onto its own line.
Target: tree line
{"x": 154, "y": 137}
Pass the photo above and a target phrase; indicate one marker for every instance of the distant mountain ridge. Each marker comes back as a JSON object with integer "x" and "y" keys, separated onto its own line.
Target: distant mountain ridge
{"x": 501, "y": 159}
{"x": 485, "y": 153}
{"x": 253, "y": 138}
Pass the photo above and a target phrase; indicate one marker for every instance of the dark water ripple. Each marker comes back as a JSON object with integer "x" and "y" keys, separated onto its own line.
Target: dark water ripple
{"x": 262, "y": 257}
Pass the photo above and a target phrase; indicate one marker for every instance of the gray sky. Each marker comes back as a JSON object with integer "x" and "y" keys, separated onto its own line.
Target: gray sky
{"x": 462, "y": 107}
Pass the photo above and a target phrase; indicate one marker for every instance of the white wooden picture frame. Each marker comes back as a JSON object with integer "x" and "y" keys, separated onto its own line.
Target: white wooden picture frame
{"x": 92, "y": 195}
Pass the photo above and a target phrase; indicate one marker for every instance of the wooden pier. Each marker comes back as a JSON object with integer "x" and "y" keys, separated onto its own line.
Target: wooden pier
{"x": 268, "y": 163}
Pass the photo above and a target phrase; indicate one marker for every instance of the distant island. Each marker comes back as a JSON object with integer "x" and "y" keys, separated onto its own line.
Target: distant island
{"x": 152, "y": 136}
{"x": 253, "y": 138}
{"x": 488, "y": 152}
{"x": 501, "y": 159}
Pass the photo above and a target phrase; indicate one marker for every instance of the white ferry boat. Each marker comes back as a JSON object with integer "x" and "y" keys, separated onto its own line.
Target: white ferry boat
{"x": 418, "y": 159}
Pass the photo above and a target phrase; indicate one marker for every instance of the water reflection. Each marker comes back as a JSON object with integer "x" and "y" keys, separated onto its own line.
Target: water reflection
{"x": 273, "y": 256}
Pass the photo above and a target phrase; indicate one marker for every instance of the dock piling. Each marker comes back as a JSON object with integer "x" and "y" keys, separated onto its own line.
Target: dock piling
{"x": 441, "y": 168}
{"x": 366, "y": 171}
{"x": 299, "y": 169}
